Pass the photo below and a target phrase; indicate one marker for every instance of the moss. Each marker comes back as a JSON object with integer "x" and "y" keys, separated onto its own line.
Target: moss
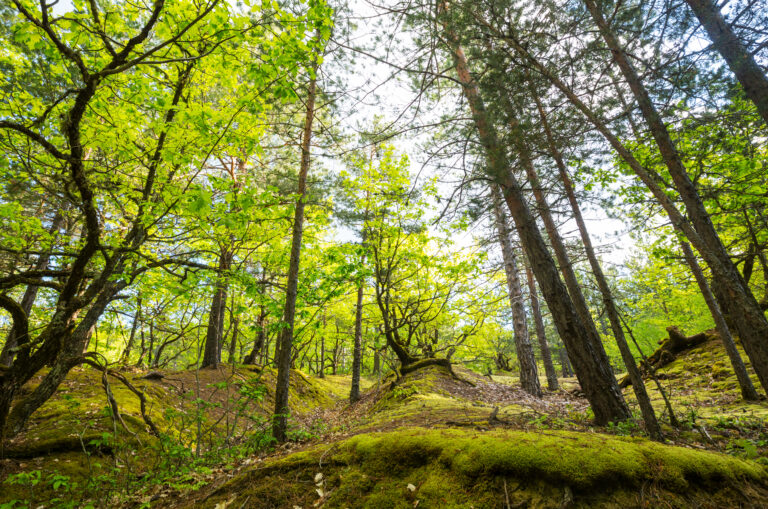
{"x": 456, "y": 468}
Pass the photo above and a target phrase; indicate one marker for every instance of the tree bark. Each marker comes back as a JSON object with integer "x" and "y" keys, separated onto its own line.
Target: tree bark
{"x": 215, "y": 331}
{"x": 748, "y": 391}
{"x": 354, "y": 393}
{"x": 750, "y": 321}
{"x": 258, "y": 345}
{"x": 280, "y": 420}
{"x": 529, "y": 377}
{"x": 649, "y": 415}
{"x": 541, "y": 334}
{"x": 233, "y": 341}
{"x": 30, "y": 294}
{"x": 597, "y": 381}
{"x": 740, "y": 61}
{"x": 558, "y": 246}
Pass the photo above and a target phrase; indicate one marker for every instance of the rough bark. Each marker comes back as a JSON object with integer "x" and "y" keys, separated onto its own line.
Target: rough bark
{"x": 750, "y": 321}
{"x": 541, "y": 334}
{"x": 740, "y": 61}
{"x": 748, "y": 391}
{"x": 529, "y": 376}
{"x": 354, "y": 393}
{"x": 215, "y": 331}
{"x": 594, "y": 374}
{"x": 280, "y": 420}
{"x": 649, "y": 415}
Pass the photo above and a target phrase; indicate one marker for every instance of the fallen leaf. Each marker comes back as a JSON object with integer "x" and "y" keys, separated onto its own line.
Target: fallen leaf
{"x": 411, "y": 487}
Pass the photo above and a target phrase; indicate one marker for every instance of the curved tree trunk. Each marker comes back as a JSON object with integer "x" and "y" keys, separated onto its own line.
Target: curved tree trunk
{"x": 30, "y": 294}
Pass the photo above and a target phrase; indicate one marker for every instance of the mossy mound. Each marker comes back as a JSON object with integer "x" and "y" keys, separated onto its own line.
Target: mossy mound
{"x": 701, "y": 384}
{"x": 73, "y": 437}
{"x": 436, "y": 396}
{"x": 412, "y": 467}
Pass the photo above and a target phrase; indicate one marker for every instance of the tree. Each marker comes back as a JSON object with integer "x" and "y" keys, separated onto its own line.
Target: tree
{"x": 280, "y": 420}
{"x": 594, "y": 375}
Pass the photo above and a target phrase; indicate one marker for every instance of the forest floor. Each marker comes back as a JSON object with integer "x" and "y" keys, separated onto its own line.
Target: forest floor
{"x": 429, "y": 439}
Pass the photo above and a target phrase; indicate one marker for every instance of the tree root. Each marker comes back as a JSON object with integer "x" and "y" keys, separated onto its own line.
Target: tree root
{"x": 115, "y": 411}
{"x": 423, "y": 363}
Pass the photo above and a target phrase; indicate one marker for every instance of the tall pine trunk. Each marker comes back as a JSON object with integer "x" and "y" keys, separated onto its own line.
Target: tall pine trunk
{"x": 748, "y": 391}
{"x": 541, "y": 333}
{"x": 354, "y": 393}
{"x": 529, "y": 377}
{"x": 594, "y": 374}
{"x": 737, "y": 56}
{"x": 749, "y": 319}
{"x": 280, "y": 420}
{"x": 649, "y": 415}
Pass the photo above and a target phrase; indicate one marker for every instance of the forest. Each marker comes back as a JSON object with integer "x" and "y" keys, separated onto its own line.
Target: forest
{"x": 383, "y": 253}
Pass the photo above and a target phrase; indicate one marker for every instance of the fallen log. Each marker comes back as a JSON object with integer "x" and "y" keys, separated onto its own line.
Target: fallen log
{"x": 669, "y": 348}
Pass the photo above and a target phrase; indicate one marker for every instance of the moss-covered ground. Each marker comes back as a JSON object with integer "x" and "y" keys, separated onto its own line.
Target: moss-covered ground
{"x": 431, "y": 438}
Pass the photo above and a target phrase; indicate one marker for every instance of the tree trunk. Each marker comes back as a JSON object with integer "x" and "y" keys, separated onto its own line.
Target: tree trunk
{"x": 529, "y": 377}
{"x": 739, "y": 59}
{"x": 594, "y": 374}
{"x": 748, "y": 391}
{"x": 258, "y": 345}
{"x": 30, "y": 294}
{"x": 541, "y": 334}
{"x": 280, "y": 420}
{"x": 215, "y": 331}
{"x": 558, "y": 246}
{"x": 750, "y": 321}
{"x": 233, "y": 342}
{"x": 136, "y": 319}
{"x": 354, "y": 393}
{"x": 649, "y": 415}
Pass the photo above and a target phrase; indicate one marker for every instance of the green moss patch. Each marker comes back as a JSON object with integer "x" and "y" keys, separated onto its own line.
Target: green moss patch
{"x": 458, "y": 468}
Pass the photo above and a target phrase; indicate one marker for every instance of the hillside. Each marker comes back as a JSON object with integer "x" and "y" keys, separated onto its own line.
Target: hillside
{"x": 432, "y": 438}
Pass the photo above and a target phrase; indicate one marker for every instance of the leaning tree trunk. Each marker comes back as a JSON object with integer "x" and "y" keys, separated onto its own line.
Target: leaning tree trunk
{"x": 558, "y": 246}
{"x": 749, "y": 319}
{"x": 594, "y": 374}
{"x": 280, "y": 420}
{"x": 649, "y": 415}
{"x": 739, "y": 59}
{"x": 529, "y": 377}
{"x": 541, "y": 333}
{"x": 748, "y": 391}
